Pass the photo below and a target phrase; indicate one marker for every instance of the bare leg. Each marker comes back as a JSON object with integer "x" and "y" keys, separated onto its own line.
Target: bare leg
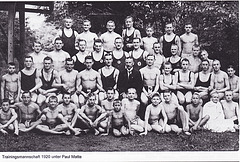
{"x": 204, "y": 121}
{"x": 16, "y": 129}
{"x": 60, "y": 116}
{"x": 46, "y": 129}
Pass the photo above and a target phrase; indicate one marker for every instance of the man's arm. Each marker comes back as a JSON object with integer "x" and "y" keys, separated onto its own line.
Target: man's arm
{"x": 38, "y": 82}
{"x": 3, "y": 82}
{"x": 84, "y": 116}
{"x": 196, "y": 39}
{"x": 237, "y": 88}
{"x": 161, "y": 44}
{"x": 99, "y": 83}
{"x": 116, "y": 74}
{"x": 157, "y": 82}
{"x": 178, "y": 42}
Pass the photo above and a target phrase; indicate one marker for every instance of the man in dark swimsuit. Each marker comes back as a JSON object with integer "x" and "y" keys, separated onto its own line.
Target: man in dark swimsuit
{"x": 185, "y": 83}
{"x": 202, "y": 80}
{"x": 68, "y": 36}
{"x": 28, "y": 78}
{"x": 47, "y": 75}
{"x": 79, "y": 58}
{"x": 129, "y": 33}
{"x": 109, "y": 76}
{"x": 168, "y": 39}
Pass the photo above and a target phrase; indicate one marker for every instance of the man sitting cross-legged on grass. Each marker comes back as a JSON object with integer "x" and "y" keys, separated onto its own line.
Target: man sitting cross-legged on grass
{"x": 28, "y": 111}
{"x": 92, "y": 115}
{"x": 8, "y": 118}
{"x": 194, "y": 111}
{"x": 51, "y": 119}
{"x": 175, "y": 114}
{"x": 230, "y": 108}
{"x": 69, "y": 112}
{"x": 131, "y": 107}
{"x": 152, "y": 115}
{"x": 118, "y": 120}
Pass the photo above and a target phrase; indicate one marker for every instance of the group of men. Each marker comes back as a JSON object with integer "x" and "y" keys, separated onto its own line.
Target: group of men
{"x": 124, "y": 83}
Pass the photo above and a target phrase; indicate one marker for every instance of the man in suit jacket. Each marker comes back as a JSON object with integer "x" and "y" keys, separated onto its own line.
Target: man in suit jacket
{"x": 129, "y": 78}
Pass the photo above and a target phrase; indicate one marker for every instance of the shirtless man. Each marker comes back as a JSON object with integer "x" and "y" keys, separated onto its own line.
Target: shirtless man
{"x": 38, "y": 55}
{"x": 202, "y": 80}
{"x": 47, "y": 76}
{"x": 118, "y": 120}
{"x": 194, "y": 111}
{"x": 152, "y": 115}
{"x": 150, "y": 76}
{"x": 233, "y": 81}
{"x": 92, "y": 115}
{"x": 138, "y": 54}
{"x": 51, "y": 119}
{"x": 10, "y": 84}
{"x": 129, "y": 33}
{"x": 185, "y": 83}
{"x": 87, "y": 35}
{"x": 79, "y": 58}
{"x": 68, "y": 111}
{"x": 188, "y": 39}
{"x": 28, "y": 112}
{"x": 204, "y": 56}
{"x": 159, "y": 58}
{"x": 88, "y": 81}
{"x": 131, "y": 107}
{"x": 219, "y": 80}
{"x": 119, "y": 55}
{"x": 68, "y": 79}
{"x": 109, "y": 37}
{"x": 8, "y": 118}
{"x": 58, "y": 55}
{"x": 149, "y": 40}
{"x": 168, "y": 39}
{"x": 28, "y": 78}
{"x": 167, "y": 81}
{"x": 109, "y": 77}
{"x": 231, "y": 108}
{"x": 176, "y": 116}
{"x": 68, "y": 36}
{"x": 194, "y": 59}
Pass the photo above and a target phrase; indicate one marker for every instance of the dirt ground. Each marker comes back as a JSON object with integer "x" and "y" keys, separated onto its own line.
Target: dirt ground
{"x": 199, "y": 141}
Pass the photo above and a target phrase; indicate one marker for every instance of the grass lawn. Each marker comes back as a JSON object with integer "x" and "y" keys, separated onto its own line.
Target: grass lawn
{"x": 199, "y": 141}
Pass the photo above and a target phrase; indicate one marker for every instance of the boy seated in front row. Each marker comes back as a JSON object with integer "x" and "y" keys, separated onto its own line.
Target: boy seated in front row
{"x": 194, "y": 111}
{"x": 68, "y": 111}
{"x": 8, "y": 118}
{"x": 51, "y": 120}
{"x": 152, "y": 115}
{"x": 131, "y": 107}
{"x": 231, "y": 109}
{"x": 117, "y": 120}
{"x": 92, "y": 115}
{"x": 176, "y": 115}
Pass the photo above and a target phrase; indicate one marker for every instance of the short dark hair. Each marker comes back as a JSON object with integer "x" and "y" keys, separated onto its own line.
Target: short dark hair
{"x": 6, "y": 100}
{"x": 27, "y": 92}
{"x": 48, "y": 58}
{"x": 57, "y": 39}
{"x": 117, "y": 101}
{"x": 88, "y": 58}
{"x": 26, "y": 57}
{"x": 66, "y": 93}
{"x": 69, "y": 59}
{"x": 11, "y": 64}
{"x": 53, "y": 98}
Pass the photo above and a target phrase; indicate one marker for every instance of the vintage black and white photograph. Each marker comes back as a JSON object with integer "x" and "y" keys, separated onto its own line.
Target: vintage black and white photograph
{"x": 119, "y": 76}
